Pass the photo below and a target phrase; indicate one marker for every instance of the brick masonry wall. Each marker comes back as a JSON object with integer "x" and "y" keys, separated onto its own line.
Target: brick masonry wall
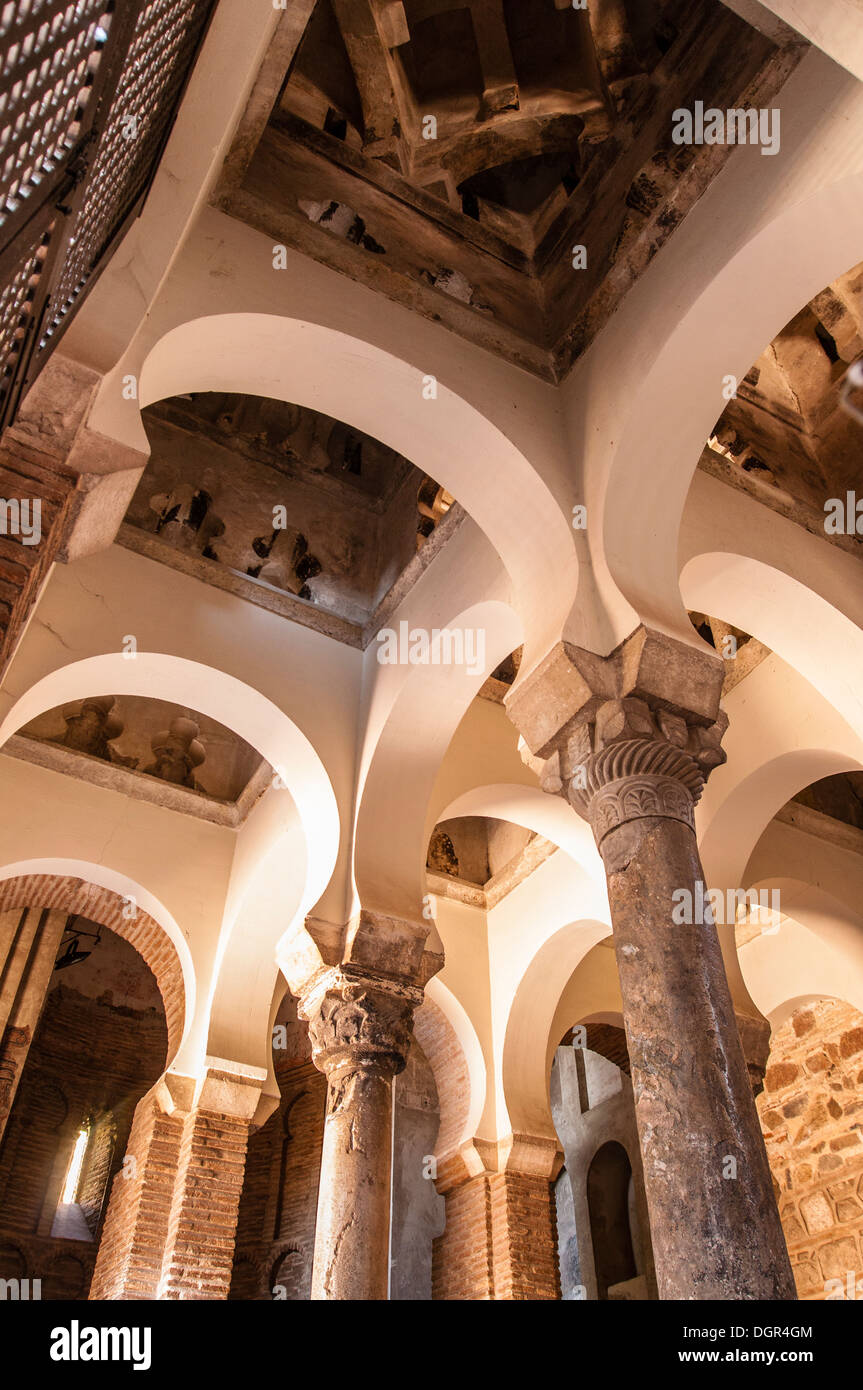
{"x": 462, "y": 1256}
{"x": 203, "y": 1220}
{"x": 500, "y": 1241}
{"x": 811, "y": 1113}
{"x": 276, "y": 1228}
{"x": 135, "y": 1231}
{"x": 88, "y": 1059}
{"x": 64, "y": 1268}
{"x": 97, "y": 1169}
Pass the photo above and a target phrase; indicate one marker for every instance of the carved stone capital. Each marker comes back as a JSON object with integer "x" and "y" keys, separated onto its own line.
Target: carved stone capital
{"x": 620, "y": 741}
{"x": 359, "y": 1023}
{"x": 636, "y": 762}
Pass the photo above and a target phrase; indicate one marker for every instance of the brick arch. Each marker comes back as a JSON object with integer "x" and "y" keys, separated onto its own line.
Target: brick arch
{"x": 103, "y": 905}
{"x": 443, "y": 1051}
{"x": 606, "y": 1039}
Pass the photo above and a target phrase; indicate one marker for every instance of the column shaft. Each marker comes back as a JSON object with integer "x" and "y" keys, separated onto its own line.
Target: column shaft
{"x": 630, "y": 739}
{"x": 359, "y": 1026}
{"x": 714, "y": 1224}
{"x": 353, "y": 1224}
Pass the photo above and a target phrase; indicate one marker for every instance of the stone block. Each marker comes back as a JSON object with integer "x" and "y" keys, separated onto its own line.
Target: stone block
{"x": 838, "y": 1257}
{"x": 780, "y": 1075}
{"x": 817, "y": 1213}
{"x": 851, "y": 1042}
{"x": 817, "y": 1061}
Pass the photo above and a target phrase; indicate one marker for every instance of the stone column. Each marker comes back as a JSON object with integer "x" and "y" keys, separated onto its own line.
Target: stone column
{"x": 359, "y": 1026}
{"x": 29, "y": 939}
{"x": 755, "y": 1041}
{"x": 629, "y": 740}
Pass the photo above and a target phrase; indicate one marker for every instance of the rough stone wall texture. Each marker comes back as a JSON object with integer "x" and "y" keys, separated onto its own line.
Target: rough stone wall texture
{"x": 500, "y": 1241}
{"x": 811, "y": 1113}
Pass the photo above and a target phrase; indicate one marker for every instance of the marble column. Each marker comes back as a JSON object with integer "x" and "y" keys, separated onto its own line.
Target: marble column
{"x": 359, "y": 1026}
{"x": 630, "y": 740}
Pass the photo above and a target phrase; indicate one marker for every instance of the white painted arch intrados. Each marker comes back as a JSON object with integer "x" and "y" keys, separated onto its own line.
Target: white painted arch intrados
{"x": 460, "y": 1022}
{"x": 395, "y": 796}
{"x": 821, "y": 645}
{"x": 813, "y": 950}
{"x": 224, "y": 698}
{"x": 529, "y": 1044}
{"x": 794, "y": 621}
{"x": 758, "y": 290}
{"x": 352, "y": 380}
{"x": 536, "y": 810}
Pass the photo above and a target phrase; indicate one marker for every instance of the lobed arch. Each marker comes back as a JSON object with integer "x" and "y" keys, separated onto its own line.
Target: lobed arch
{"x": 104, "y": 896}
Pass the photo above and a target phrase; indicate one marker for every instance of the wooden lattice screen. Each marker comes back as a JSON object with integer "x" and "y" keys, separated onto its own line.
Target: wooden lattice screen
{"x": 88, "y": 93}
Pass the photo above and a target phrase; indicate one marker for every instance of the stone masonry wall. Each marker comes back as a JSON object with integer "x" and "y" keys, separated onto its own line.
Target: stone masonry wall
{"x": 811, "y": 1113}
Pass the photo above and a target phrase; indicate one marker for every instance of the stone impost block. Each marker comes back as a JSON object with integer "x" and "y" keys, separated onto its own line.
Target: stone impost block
{"x": 631, "y": 735}
{"x": 567, "y": 689}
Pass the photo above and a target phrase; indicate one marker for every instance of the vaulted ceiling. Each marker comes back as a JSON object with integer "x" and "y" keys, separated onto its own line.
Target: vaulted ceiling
{"x": 286, "y": 507}
{"x": 453, "y": 155}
